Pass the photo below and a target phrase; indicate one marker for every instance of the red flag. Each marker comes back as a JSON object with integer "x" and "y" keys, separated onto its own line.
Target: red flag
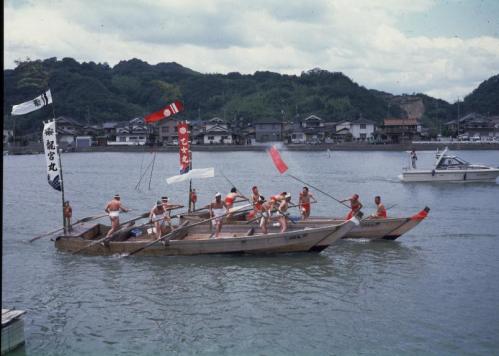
{"x": 167, "y": 111}
{"x": 276, "y": 157}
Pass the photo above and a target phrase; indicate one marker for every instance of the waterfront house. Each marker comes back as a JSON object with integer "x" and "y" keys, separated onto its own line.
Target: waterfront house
{"x": 472, "y": 124}
{"x": 129, "y": 134}
{"x": 360, "y": 129}
{"x": 68, "y": 124}
{"x": 269, "y": 130}
{"x": 216, "y": 131}
{"x": 168, "y": 134}
{"x": 400, "y": 130}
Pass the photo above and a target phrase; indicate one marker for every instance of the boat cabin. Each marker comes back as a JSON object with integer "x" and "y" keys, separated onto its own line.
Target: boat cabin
{"x": 451, "y": 162}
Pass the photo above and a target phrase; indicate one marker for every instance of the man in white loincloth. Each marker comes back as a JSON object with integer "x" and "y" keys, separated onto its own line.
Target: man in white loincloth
{"x": 113, "y": 208}
{"x": 218, "y": 209}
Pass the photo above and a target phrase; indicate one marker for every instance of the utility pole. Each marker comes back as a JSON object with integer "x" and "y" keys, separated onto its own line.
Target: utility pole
{"x": 458, "y": 115}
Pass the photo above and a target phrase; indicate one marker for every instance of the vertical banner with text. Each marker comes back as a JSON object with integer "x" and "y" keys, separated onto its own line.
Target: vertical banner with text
{"x": 51, "y": 155}
{"x": 184, "y": 147}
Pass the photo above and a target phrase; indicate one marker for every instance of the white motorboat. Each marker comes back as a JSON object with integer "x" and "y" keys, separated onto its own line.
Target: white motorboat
{"x": 449, "y": 168}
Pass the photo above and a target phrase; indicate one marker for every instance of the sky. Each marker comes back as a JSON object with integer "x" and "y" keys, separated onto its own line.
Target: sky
{"x": 443, "y": 48}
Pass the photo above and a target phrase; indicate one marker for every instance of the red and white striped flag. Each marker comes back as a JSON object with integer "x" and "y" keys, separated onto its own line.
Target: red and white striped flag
{"x": 276, "y": 157}
{"x": 167, "y": 111}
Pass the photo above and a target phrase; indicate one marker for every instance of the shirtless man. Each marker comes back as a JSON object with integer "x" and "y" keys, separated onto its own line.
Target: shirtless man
{"x": 231, "y": 197}
{"x": 282, "y": 212}
{"x": 113, "y": 208}
{"x": 380, "y": 209}
{"x": 355, "y": 206}
{"x": 255, "y": 198}
{"x": 218, "y": 209}
{"x": 304, "y": 202}
{"x": 160, "y": 217}
{"x": 262, "y": 208}
{"x": 255, "y": 194}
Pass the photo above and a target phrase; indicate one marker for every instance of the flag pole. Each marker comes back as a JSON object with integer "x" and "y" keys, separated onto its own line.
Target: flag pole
{"x": 60, "y": 168}
{"x": 190, "y": 180}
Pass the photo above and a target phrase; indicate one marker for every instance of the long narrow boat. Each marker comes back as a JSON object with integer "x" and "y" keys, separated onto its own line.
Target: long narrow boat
{"x": 196, "y": 240}
{"x": 373, "y": 229}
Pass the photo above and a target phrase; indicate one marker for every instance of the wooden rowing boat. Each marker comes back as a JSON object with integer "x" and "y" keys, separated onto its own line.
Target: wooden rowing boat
{"x": 196, "y": 240}
{"x": 373, "y": 229}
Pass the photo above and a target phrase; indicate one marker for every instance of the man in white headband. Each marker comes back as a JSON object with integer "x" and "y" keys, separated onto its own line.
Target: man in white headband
{"x": 218, "y": 209}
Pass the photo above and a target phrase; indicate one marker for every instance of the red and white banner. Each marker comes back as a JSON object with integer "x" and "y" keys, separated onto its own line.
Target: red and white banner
{"x": 184, "y": 147}
{"x": 167, "y": 111}
{"x": 276, "y": 157}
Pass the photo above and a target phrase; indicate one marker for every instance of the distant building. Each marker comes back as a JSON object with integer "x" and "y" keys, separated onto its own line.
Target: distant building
{"x": 168, "y": 132}
{"x": 130, "y": 133}
{"x": 83, "y": 141}
{"x": 217, "y": 131}
{"x": 360, "y": 129}
{"x": 473, "y": 124}
{"x": 311, "y": 129}
{"x": 268, "y": 130}
{"x": 400, "y": 130}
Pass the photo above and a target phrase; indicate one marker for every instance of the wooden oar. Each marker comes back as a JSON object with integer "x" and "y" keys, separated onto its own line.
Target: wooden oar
{"x": 104, "y": 239}
{"x": 323, "y": 192}
{"x": 88, "y": 218}
{"x": 173, "y": 233}
{"x": 232, "y": 184}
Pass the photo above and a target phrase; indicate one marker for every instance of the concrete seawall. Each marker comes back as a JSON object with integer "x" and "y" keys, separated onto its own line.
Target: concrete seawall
{"x": 419, "y": 146}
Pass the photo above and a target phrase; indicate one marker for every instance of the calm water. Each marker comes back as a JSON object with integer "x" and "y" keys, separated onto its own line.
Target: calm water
{"x": 434, "y": 291}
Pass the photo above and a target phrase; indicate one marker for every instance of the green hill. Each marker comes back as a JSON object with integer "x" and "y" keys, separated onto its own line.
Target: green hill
{"x": 94, "y": 93}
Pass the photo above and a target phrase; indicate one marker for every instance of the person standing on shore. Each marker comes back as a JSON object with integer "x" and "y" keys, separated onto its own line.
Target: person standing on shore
{"x": 304, "y": 202}
{"x": 355, "y": 205}
{"x": 380, "y": 209}
{"x": 414, "y": 158}
{"x": 113, "y": 208}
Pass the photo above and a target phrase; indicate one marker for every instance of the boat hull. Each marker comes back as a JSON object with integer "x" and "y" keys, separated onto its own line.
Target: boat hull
{"x": 300, "y": 240}
{"x": 373, "y": 229}
{"x": 485, "y": 175}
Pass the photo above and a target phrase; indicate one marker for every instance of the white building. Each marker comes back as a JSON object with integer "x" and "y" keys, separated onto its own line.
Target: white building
{"x": 360, "y": 129}
{"x": 217, "y": 132}
{"x": 126, "y": 138}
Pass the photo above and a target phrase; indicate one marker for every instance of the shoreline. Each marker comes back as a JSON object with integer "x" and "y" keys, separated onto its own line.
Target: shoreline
{"x": 418, "y": 146}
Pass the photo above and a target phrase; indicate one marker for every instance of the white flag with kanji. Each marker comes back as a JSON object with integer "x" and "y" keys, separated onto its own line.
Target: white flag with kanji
{"x": 32, "y": 105}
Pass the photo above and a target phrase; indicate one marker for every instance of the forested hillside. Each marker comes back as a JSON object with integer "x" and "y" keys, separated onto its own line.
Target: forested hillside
{"x": 94, "y": 93}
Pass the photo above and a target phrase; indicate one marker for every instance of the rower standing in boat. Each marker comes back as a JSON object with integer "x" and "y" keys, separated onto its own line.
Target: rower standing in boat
{"x": 113, "y": 208}
{"x": 380, "y": 209}
{"x": 355, "y": 205}
{"x": 262, "y": 208}
{"x": 282, "y": 212}
{"x": 159, "y": 215}
{"x": 68, "y": 213}
{"x": 218, "y": 209}
{"x": 194, "y": 199}
{"x": 255, "y": 198}
{"x": 231, "y": 197}
{"x": 304, "y": 202}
